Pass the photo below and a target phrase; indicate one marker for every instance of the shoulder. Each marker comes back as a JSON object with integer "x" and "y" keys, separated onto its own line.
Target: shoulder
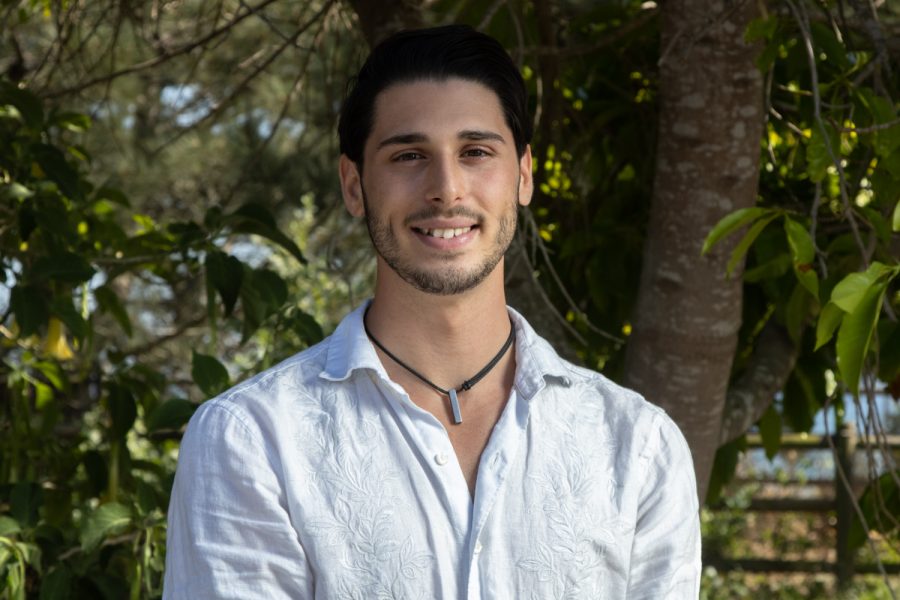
{"x": 258, "y": 404}
{"x": 615, "y": 414}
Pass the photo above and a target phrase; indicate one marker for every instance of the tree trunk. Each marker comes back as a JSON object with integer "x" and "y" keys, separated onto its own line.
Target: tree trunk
{"x": 688, "y": 312}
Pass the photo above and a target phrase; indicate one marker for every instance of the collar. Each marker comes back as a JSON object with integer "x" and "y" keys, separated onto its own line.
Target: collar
{"x": 350, "y": 349}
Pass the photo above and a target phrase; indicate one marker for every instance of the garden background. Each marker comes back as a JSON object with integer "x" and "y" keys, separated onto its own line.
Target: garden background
{"x": 715, "y": 224}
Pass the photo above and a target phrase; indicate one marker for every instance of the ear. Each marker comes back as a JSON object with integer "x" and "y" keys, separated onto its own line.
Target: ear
{"x": 526, "y": 179}
{"x": 351, "y": 187}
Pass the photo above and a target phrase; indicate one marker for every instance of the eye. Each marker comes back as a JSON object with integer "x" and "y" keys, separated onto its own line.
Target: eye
{"x": 475, "y": 152}
{"x": 406, "y": 156}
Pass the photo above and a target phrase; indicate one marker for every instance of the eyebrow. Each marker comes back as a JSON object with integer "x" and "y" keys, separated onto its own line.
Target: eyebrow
{"x": 417, "y": 138}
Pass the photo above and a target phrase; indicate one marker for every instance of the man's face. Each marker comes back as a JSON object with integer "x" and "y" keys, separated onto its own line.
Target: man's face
{"x": 441, "y": 183}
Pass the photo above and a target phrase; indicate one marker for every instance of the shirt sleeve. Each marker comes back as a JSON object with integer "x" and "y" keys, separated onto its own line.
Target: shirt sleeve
{"x": 665, "y": 555}
{"x": 229, "y": 531}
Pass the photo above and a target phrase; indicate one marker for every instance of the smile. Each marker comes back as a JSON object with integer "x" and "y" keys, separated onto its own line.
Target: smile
{"x": 447, "y": 233}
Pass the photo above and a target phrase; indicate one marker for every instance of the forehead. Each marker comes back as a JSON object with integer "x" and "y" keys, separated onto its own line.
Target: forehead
{"x": 434, "y": 107}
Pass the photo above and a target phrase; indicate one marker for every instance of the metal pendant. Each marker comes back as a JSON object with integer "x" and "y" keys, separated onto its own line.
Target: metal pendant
{"x": 454, "y": 404}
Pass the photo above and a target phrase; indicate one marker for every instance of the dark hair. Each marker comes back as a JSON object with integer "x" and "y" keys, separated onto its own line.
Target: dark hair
{"x": 436, "y": 53}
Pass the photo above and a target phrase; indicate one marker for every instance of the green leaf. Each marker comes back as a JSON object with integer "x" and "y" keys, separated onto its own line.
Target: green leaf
{"x": 108, "y": 519}
{"x": 802, "y": 397}
{"x": 66, "y": 267}
{"x": 803, "y": 252}
{"x": 730, "y": 223}
{"x": 796, "y": 312}
{"x": 56, "y": 167}
{"x": 855, "y": 335}
{"x": 829, "y": 319}
{"x": 209, "y": 374}
{"x": 97, "y": 472}
{"x": 741, "y": 249}
{"x": 723, "y": 468}
{"x": 852, "y": 288}
{"x": 770, "y": 431}
{"x": 762, "y": 28}
{"x": 819, "y": 151}
{"x": 109, "y": 302}
{"x": 825, "y": 39}
{"x": 28, "y": 105}
{"x": 62, "y": 307}
{"x": 15, "y": 191}
{"x": 172, "y": 414}
{"x": 262, "y": 294}
{"x": 224, "y": 273}
{"x": 113, "y": 195}
{"x": 772, "y": 269}
{"x": 307, "y": 328}
{"x": 25, "y": 501}
{"x": 256, "y": 219}
{"x": 9, "y": 526}
{"x": 72, "y": 121}
{"x": 29, "y": 305}
{"x": 122, "y": 409}
{"x": 896, "y": 220}
{"x": 57, "y": 584}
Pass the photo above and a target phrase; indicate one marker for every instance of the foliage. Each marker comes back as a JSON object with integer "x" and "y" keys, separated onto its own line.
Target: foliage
{"x": 829, "y": 274}
{"x": 86, "y": 451}
{"x": 138, "y": 285}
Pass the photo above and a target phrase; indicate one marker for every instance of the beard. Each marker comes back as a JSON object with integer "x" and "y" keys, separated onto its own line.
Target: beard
{"x": 449, "y": 279}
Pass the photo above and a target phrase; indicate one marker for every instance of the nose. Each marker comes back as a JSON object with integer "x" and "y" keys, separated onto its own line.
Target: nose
{"x": 446, "y": 181}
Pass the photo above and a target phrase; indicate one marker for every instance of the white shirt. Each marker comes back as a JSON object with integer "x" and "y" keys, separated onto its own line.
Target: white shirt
{"x": 319, "y": 478}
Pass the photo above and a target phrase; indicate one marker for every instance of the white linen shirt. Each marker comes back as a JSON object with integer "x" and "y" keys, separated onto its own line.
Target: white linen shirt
{"x": 320, "y": 478}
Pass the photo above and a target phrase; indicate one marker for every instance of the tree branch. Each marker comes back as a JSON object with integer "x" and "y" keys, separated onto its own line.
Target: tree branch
{"x": 148, "y": 64}
{"x": 748, "y": 398}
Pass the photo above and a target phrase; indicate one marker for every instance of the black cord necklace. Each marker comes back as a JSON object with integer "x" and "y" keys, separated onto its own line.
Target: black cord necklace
{"x": 466, "y": 385}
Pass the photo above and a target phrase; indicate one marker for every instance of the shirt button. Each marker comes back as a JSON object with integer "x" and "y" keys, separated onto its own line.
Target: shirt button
{"x": 478, "y": 547}
{"x": 441, "y": 459}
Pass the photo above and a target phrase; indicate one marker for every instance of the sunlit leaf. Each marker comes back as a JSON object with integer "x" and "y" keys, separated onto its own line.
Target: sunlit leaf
{"x": 855, "y": 334}
{"x": 731, "y": 223}
{"x": 852, "y": 288}
{"x": 741, "y": 249}
{"x": 828, "y": 322}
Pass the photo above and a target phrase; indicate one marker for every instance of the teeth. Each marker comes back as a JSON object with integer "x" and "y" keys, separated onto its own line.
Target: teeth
{"x": 447, "y": 233}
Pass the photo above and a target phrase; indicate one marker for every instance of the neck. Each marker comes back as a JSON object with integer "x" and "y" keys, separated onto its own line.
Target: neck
{"x": 447, "y": 338}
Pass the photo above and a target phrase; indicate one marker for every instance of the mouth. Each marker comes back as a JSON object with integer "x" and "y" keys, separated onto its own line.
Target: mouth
{"x": 445, "y": 233}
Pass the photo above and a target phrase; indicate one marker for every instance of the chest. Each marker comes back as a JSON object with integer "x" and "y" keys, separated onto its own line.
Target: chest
{"x": 376, "y": 511}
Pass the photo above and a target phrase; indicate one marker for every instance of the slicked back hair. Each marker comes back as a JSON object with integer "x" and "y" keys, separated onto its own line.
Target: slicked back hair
{"x": 433, "y": 54}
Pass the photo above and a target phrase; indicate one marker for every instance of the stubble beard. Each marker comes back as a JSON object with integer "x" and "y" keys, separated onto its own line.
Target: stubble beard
{"x": 446, "y": 281}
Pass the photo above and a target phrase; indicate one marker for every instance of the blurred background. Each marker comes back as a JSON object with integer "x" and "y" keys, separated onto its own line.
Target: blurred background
{"x": 716, "y": 224}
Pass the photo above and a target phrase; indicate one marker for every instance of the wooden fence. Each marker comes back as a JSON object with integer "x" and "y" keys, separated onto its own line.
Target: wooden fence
{"x": 841, "y": 504}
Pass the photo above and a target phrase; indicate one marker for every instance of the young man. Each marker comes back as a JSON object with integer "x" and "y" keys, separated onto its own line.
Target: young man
{"x": 434, "y": 446}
